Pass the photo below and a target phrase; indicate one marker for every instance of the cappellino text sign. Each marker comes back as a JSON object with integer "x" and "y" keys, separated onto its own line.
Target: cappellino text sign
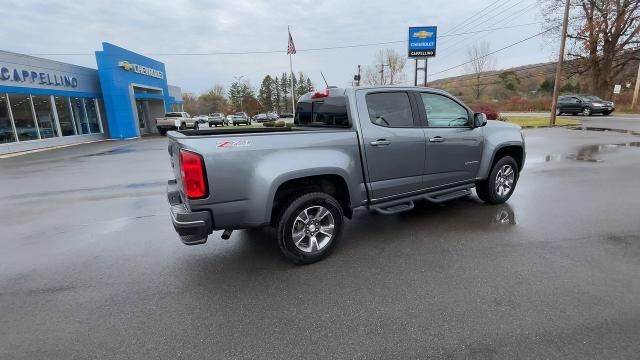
{"x": 422, "y": 41}
{"x": 37, "y": 77}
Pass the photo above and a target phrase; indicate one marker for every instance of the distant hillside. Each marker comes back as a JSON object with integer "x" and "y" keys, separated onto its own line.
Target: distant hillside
{"x": 535, "y": 81}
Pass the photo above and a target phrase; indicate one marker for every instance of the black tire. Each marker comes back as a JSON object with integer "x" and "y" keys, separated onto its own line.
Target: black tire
{"x": 196, "y": 126}
{"x": 183, "y": 126}
{"x": 586, "y": 111}
{"x": 163, "y": 132}
{"x": 487, "y": 189}
{"x": 287, "y": 219}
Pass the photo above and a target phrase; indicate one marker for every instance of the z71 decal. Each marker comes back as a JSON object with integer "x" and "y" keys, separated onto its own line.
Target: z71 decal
{"x": 233, "y": 143}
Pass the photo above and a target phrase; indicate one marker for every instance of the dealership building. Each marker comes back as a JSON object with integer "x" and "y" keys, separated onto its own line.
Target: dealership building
{"x": 46, "y": 103}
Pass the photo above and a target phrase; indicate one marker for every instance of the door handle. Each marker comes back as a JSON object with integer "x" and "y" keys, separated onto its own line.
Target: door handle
{"x": 436, "y": 139}
{"x": 380, "y": 142}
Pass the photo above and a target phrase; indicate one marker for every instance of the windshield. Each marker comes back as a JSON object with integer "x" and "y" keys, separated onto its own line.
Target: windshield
{"x": 329, "y": 112}
{"x": 173, "y": 115}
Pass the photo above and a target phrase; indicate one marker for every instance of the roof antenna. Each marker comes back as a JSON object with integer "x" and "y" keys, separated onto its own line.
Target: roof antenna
{"x": 325, "y": 80}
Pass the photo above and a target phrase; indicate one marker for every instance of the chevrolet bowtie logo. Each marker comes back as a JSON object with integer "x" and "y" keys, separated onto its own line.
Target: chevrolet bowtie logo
{"x": 423, "y": 34}
{"x": 125, "y": 65}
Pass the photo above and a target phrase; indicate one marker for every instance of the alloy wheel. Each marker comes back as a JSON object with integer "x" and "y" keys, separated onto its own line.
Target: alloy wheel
{"x": 313, "y": 229}
{"x": 504, "y": 180}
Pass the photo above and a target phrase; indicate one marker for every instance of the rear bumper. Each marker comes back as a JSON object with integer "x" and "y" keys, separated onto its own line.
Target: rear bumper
{"x": 193, "y": 227}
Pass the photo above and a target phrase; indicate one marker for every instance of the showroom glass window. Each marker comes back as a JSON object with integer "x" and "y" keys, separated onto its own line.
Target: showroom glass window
{"x": 6, "y": 130}
{"x": 103, "y": 116}
{"x": 44, "y": 116}
{"x": 65, "y": 117}
{"x": 80, "y": 115}
{"x": 92, "y": 115}
{"x": 23, "y": 117}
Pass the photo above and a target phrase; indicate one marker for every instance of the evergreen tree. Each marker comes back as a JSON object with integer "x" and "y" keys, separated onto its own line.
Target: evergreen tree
{"x": 284, "y": 88}
{"x": 310, "y": 86}
{"x": 277, "y": 95}
{"x": 265, "y": 96}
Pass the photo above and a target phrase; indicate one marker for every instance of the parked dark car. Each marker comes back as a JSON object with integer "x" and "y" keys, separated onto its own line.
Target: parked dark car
{"x": 239, "y": 120}
{"x": 584, "y": 104}
{"x": 286, "y": 115}
{"x": 216, "y": 119}
{"x": 260, "y": 118}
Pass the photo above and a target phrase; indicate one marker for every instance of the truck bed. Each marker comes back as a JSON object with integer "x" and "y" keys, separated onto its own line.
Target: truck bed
{"x": 234, "y": 130}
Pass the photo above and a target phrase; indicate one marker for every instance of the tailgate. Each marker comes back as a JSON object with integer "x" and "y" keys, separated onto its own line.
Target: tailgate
{"x": 174, "y": 157}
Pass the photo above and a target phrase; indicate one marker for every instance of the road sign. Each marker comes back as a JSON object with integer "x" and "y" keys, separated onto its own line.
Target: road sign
{"x": 422, "y": 41}
{"x": 617, "y": 88}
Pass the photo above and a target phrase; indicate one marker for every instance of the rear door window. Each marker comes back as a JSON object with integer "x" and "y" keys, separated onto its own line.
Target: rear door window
{"x": 390, "y": 109}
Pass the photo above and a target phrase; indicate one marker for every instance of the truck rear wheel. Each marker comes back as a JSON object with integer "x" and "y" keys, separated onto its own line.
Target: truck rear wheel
{"x": 502, "y": 180}
{"x": 309, "y": 227}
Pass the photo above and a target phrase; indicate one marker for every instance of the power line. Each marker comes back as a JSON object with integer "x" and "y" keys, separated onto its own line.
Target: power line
{"x": 510, "y": 18}
{"x": 299, "y": 50}
{"x": 479, "y": 20}
{"x": 463, "y": 22}
{"x": 495, "y": 51}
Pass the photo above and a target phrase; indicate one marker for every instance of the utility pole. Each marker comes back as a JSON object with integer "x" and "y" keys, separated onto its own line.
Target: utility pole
{"x": 556, "y": 85}
{"x": 636, "y": 90}
{"x": 382, "y": 74}
{"x": 357, "y": 77}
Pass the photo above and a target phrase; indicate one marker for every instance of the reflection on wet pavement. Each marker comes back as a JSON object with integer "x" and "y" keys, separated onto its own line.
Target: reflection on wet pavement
{"x": 589, "y": 128}
{"x": 589, "y": 153}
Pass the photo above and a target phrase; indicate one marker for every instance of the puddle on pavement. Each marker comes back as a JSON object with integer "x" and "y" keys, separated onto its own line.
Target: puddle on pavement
{"x": 590, "y": 153}
{"x": 120, "y": 150}
{"x": 590, "y": 128}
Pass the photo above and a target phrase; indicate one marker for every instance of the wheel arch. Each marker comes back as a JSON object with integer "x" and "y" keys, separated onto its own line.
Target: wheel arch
{"x": 515, "y": 150}
{"x": 289, "y": 187}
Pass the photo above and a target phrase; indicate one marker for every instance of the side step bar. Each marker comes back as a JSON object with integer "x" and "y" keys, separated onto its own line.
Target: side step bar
{"x": 406, "y": 204}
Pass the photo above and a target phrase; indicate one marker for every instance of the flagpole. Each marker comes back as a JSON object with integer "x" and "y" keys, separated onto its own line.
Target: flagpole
{"x": 293, "y": 104}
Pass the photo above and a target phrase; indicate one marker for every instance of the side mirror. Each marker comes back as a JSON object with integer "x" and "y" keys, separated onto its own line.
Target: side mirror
{"x": 479, "y": 119}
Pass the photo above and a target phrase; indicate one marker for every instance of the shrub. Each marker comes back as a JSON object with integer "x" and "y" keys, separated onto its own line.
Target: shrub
{"x": 490, "y": 111}
{"x": 289, "y": 125}
{"x": 269, "y": 124}
{"x": 279, "y": 124}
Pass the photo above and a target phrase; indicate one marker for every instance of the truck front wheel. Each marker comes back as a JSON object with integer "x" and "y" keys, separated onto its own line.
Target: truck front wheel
{"x": 309, "y": 227}
{"x": 501, "y": 182}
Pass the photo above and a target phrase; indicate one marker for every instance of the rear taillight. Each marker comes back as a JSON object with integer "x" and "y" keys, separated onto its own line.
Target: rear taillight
{"x": 193, "y": 178}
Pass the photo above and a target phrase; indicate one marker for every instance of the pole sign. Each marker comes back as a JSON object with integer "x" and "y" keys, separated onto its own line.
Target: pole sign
{"x": 422, "y": 41}
{"x": 617, "y": 88}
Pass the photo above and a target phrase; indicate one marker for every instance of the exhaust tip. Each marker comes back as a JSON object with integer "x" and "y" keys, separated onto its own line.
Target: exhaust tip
{"x": 226, "y": 234}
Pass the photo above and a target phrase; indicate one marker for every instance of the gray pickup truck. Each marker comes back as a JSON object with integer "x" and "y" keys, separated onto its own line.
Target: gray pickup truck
{"x": 380, "y": 148}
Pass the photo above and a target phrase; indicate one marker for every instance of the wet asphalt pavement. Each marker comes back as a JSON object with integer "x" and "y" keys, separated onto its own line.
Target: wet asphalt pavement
{"x": 90, "y": 267}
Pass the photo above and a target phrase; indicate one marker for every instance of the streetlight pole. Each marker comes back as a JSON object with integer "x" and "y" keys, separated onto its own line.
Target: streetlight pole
{"x": 556, "y": 85}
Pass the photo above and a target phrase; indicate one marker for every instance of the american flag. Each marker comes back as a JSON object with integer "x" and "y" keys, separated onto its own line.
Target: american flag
{"x": 291, "y": 49}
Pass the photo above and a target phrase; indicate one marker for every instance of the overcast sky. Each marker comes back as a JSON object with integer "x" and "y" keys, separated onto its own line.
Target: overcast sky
{"x": 153, "y": 27}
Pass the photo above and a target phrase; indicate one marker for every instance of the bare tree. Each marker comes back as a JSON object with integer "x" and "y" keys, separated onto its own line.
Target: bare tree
{"x": 603, "y": 35}
{"x": 218, "y": 90}
{"x": 388, "y": 69}
{"x": 479, "y": 61}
